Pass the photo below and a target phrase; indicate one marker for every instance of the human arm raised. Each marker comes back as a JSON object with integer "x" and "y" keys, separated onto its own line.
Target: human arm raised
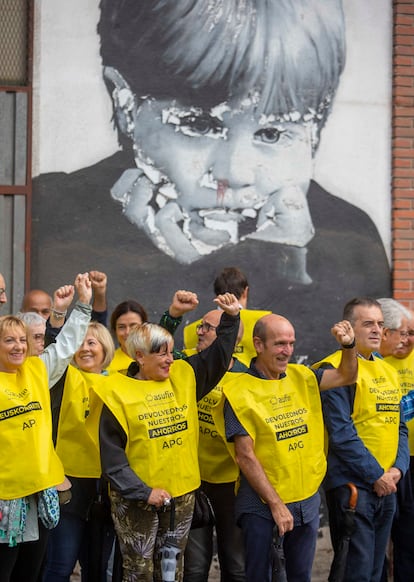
{"x": 182, "y": 302}
{"x": 99, "y": 282}
{"x": 211, "y": 364}
{"x": 347, "y": 371}
{"x": 62, "y": 299}
{"x": 58, "y": 355}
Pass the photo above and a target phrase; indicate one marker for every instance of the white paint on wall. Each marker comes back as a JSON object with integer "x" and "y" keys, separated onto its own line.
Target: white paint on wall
{"x": 72, "y": 111}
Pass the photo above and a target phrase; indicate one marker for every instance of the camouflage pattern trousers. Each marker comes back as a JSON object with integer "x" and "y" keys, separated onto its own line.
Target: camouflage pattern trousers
{"x": 143, "y": 532}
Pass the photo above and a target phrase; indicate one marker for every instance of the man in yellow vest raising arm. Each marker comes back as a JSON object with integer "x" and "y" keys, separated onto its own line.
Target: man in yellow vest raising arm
{"x": 367, "y": 446}
{"x": 273, "y": 414}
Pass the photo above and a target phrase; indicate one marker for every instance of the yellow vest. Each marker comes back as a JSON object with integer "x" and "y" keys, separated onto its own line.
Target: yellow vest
{"x": 77, "y": 445}
{"x": 405, "y": 369}
{"x": 120, "y": 361}
{"x": 160, "y": 421}
{"x": 244, "y": 351}
{"x": 217, "y": 464}
{"x": 376, "y": 412}
{"x": 284, "y": 419}
{"x": 28, "y": 461}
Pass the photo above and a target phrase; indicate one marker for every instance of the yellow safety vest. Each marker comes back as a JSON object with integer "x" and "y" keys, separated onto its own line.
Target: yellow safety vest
{"x": 244, "y": 351}
{"x": 217, "y": 464}
{"x": 284, "y": 419}
{"x": 160, "y": 421}
{"x": 121, "y": 361}
{"x": 78, "y": 445}
{"x": 28, "y": 461}
{"x": 376, "y": 411}
{"x": 405, "y": 369}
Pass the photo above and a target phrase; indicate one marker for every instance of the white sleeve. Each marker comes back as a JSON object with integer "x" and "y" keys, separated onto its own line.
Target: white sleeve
{"x": 58, "y": 355}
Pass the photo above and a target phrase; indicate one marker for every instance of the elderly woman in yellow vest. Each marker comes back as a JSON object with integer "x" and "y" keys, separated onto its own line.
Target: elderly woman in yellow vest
{"x": 30, "y": 468}
{"x": 149, "y": 436}
{"x": 73, "y": 539}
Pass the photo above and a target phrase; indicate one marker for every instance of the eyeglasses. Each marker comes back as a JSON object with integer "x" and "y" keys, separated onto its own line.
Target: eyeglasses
{"x": 403, "y": 333}
{"x": 205, "y": 327}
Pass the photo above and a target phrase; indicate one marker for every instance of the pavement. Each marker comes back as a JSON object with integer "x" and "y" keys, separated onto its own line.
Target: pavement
{"x": 321, "y": 565}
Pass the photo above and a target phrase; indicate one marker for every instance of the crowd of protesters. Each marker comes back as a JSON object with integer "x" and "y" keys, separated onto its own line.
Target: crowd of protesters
{"x": 104, "y": 447}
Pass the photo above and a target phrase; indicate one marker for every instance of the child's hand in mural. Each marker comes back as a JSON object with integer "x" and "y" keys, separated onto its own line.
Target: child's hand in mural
{"x": 285, "y": 218}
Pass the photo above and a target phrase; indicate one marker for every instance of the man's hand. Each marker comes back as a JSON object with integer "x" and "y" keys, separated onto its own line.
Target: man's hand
{"x": 282, "y": 516}
{"x": 343, "y": 333}
{"x": 99, "y": 284}
{"x": 83, "y": 287}
{"x": 386, "y": 484}
{"x": 228, "y": 303}
{"x": 182, "y": 302}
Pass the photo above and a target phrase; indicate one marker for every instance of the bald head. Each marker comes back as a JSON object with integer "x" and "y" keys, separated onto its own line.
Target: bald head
{"x": 270, "y": 323}
{"x": 274, "y": 341}
{"x": 206, "y": 331}
{"x": 37, "y": 301}
{"x": 3, "y": 296}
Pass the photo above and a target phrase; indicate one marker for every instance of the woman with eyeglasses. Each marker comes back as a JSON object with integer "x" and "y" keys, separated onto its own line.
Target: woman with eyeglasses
{"x": 149, "y": 435}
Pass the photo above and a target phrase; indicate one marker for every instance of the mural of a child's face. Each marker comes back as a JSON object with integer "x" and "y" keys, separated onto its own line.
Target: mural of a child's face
{"x": 207, "y": 176}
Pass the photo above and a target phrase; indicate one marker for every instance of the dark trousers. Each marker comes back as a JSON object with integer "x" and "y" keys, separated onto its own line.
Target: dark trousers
{"x": 23, "y": 562}
{"x": 299, "y": 547}
{"x": 70, "y": 541}
{"x": 373, "y": 520}
{"x": 402, "y": 533}
{"x": 199, "y": 550}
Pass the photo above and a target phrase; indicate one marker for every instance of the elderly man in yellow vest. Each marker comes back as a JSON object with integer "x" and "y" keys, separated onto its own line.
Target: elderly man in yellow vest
{"x": 367, "y": 446}
{"x": 273, "y": 414}
{"x": 219, "y": 473}
{"x": 400, "y": 323}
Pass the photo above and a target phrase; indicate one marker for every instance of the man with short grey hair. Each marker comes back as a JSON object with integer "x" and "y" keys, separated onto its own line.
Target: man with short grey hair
{"x": 394, "y": 332}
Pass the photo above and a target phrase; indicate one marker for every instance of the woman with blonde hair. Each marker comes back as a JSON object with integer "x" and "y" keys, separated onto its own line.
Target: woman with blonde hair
{"x": 73, "y": 539}
{"x": 149, "y": 435}
{"x": 30, "y": 467}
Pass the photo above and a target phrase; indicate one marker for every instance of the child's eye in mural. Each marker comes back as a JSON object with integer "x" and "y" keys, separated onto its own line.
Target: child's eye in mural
{"x": 201, "y": 124}
{"x": 269, "y": 134}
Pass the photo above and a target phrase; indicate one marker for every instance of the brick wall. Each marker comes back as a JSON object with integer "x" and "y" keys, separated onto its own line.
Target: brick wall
{"x": 403, "y": 153}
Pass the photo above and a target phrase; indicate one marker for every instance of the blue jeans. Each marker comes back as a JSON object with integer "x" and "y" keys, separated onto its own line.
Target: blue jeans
{"x": 71, "y": 541}
{"x": 199, "y": 550}
{"x": 373, "y": 520}
{"x": 402, "y": 533}
{"x": 298, "y": 545}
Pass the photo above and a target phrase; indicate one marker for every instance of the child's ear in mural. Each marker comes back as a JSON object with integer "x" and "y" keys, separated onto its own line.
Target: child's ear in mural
{"x": 123, "y": 100}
